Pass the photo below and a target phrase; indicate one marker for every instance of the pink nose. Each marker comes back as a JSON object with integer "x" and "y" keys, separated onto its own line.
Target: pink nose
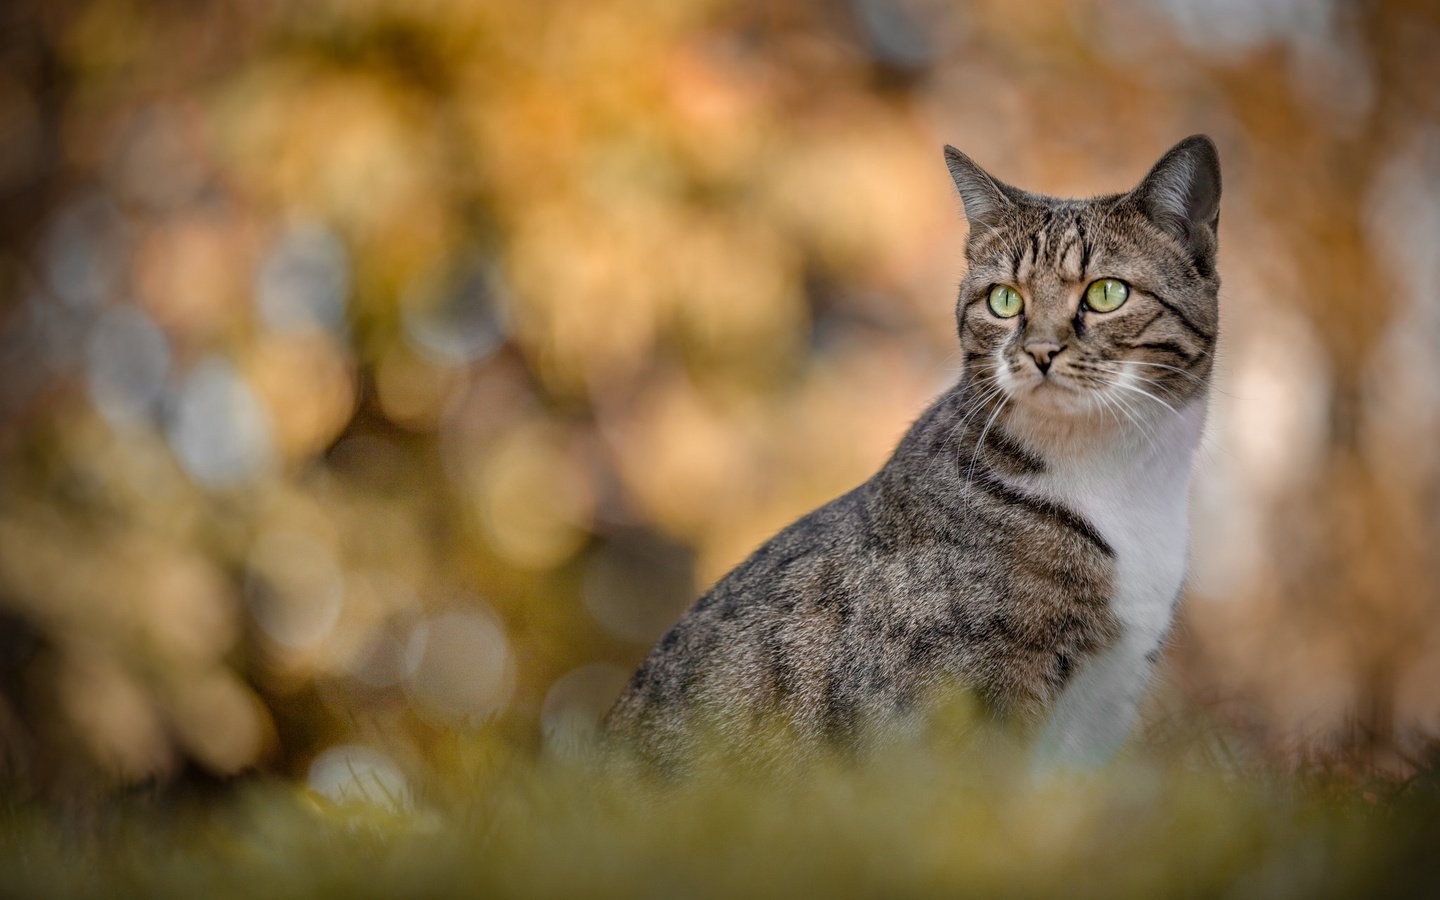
{"x": 1044, "y": 353}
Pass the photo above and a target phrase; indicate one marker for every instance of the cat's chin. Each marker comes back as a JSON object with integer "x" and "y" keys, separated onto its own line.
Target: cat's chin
{"x": 1058, "y": 419}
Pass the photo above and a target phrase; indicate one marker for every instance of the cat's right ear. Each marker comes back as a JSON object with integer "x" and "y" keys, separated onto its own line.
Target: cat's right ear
{"x": 986, "y": 199}
{"x": 1182, "y": 192}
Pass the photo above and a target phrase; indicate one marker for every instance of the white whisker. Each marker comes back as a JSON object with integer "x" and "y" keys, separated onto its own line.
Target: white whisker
{"x": 980, "y": 441}
{"x": 979, "y": 405}
{"x": 1135, "y": 389}
{"x": 1136, "y": 420}
{"x": 1190, "y": 375}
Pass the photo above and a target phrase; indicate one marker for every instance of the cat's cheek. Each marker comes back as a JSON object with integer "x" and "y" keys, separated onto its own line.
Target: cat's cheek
{"x": 990, "y": 330}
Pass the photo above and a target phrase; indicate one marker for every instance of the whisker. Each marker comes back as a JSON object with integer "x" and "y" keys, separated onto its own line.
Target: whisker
{"x": 980, "y": 441}
{"x": 1144, "y": 393}
{"x": 1131, "y": 416}
{"x": 1118, "y": 372}
{"x": 1210, "y": 382}
{"x": 978, "y": 407}
{"x": 1108, "y": 406}
{"x": 974, "y": 404}
{"x": 1190, "y": 375}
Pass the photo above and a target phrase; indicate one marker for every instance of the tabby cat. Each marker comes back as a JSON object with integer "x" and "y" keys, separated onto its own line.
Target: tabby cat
{"x": 1027, "y": 539}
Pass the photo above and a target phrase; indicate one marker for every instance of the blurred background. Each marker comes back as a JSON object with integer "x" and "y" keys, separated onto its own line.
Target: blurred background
{"x": 377, "y": 372}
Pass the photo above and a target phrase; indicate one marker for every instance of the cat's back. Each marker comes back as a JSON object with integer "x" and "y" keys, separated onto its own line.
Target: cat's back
{"x": 764, "y": 636}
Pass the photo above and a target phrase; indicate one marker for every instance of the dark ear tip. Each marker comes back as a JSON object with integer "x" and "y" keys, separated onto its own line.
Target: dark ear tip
{"x": 1200, "y": 145}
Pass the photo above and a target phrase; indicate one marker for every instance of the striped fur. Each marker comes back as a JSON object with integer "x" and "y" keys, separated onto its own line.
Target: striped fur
{"x": 1026, "y": 538}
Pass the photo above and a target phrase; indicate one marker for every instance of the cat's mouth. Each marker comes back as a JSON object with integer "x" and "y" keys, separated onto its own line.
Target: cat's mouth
{"x": 1054, "y": 392}
{"x": 1031, "y": 381}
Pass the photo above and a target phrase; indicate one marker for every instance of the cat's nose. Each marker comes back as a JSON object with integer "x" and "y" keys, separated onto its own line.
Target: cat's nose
{"x": 1044, "y": 352}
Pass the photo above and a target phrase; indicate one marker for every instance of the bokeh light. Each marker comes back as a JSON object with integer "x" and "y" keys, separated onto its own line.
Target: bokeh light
{"x": 127, "y": 360}
{"x": 576, "y": 703}
{"x": 304, "y": 280}
{"x": 459, "y": 665}
{"x": 356, "y": 774}
{"x": 218, "y": 428}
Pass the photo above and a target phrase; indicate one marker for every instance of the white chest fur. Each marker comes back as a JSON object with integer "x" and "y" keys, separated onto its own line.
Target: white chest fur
{"x": 1134, "y": 492}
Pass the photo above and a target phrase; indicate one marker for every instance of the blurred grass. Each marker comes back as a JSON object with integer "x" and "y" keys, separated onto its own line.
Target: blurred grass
{"x": 923, "y": 818}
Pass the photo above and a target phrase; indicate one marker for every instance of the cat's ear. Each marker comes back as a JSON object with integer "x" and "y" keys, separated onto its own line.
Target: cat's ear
{"x": 1182, "y": 192}
{"x": 986, "y": 198}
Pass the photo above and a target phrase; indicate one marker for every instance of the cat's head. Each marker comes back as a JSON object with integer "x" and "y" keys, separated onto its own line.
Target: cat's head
{"x": 1076, "y": 307}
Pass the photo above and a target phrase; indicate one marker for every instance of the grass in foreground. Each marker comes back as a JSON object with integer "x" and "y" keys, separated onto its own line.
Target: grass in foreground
{"x": 918, "y": 820}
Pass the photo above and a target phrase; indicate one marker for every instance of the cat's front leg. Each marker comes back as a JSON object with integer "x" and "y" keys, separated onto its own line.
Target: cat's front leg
{"x": 1094, "y": 714}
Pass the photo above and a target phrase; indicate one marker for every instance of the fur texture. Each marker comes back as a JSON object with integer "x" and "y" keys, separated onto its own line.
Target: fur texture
{"x": 1027, "y": 538}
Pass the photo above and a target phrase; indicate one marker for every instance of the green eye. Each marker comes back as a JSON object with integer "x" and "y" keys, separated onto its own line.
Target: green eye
{"x": 1005, "y": 301}
{"x": 1106, "y": 294}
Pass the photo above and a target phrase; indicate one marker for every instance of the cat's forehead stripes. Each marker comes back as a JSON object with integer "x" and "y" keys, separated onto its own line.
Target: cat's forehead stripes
{"x": 1051, "y": 239}
{"x": 1075, "y": 257}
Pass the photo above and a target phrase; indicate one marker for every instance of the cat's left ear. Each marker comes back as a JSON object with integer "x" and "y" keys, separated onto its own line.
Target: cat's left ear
{"x": 1182, "y": 192}
{"x": 987, "y": 199}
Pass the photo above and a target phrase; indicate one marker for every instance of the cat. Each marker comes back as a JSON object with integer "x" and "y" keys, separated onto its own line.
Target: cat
{"x": 1027, "y": 539}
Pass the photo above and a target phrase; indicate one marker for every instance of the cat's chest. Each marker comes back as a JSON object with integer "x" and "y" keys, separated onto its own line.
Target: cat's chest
{"x": 1136, "y": 498}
